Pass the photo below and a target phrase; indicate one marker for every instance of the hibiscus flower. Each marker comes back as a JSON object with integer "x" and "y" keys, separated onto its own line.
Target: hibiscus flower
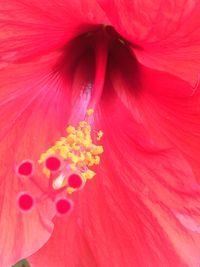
{"x": 127, "y": 70}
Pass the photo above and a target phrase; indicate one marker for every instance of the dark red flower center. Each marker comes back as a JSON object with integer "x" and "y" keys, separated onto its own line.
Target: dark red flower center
{"x": 94, "y": 58}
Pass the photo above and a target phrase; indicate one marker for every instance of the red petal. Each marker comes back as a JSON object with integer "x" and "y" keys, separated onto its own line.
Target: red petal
{"x": 31, "y": 29}
{"x": 173, "y": 114}
{"x": 36, "y": 102}
{"x": 167, "y": 105}
{"x": 165, "y": 33}
{"x": 161, "y": 178}
{"x": 30, "y": 123}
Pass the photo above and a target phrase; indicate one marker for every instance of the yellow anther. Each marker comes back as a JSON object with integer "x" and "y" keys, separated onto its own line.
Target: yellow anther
{"x": 73, "y": 167}
{"x": 80, "y": 134}
{"x": 50, "y": 151}
{"x": 75, "y": 159}
{"x": 71, "y": 138}
{"x": 96, "y": 150}
{"x": 80, "y": 164}
{"x": 79, "y": 141}
{"x": 46, "y": 172}
{"x": 64, "y": 152}
{"x": 88, "y": 174}
{"x": 97, "y": 160}
{"x": 70, "y": 130}
{"x": 63, "y": 139}
{"x": 88, "y": 155}
{"x": 87, "y": 129}
{"x": 91, "y": 163}
{"x": 87, "y": 143}
{"x": 90, "y": 111}
{"x": 82, "y": 156}
{"x": 59, "y": 143}
{"x": 43, "y": 156}
{"x": 99, "y": 135}
{"x": 82, "y": 124}
{"x": 70, "y": 190}
{"x": 77, "y": 149}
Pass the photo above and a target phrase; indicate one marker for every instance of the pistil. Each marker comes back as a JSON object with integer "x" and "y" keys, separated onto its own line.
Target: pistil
{"x": 67, "y": 165}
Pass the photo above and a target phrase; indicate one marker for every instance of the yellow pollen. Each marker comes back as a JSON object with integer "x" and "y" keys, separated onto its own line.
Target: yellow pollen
{"x": 99, "y": 135}
{"x": 46, "y": 172}
{"x": 70, "y": 190}
{"x": 71, "y": 130}
{"x": 90, "y": 111}
{"x": 88, "y": 175}
{"x": 78, "y": 150}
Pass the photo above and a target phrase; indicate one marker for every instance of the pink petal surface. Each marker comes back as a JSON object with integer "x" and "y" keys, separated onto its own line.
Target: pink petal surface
{"x": 165, "y": 33}
{"x": 30, "y": 120}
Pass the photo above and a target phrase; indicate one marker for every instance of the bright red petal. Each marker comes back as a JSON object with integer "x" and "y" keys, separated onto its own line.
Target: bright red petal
{"x": 31, "y": 29}
{"x": 37, "y": 101}
{"x": 170, "y": 112}
{"x": 165, "y": 33}
{"x": 165, "y": 104}
{"x": 163, "y": 179}
{"x": 30, "y": 122}
{"x": 173, "y": 114}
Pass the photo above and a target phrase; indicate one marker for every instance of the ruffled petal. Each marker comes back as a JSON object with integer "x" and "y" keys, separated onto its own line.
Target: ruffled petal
{"x": 172, "y": 113}
{"x": 164, "y": 34}
{"x": 31, "y": 29}
{"x": 163, "y": 180}
{"x": 165, "y": 104}
{"x": 169, "y": 110}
